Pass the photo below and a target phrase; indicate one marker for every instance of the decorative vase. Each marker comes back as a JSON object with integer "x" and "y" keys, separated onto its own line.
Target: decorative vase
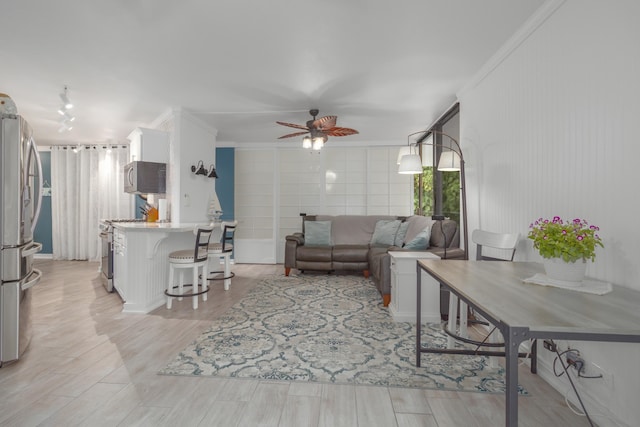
{"x": 558, "y": 269}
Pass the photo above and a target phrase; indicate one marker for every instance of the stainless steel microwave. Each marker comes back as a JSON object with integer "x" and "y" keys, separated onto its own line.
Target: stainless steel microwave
{"x": 145, "y": 177}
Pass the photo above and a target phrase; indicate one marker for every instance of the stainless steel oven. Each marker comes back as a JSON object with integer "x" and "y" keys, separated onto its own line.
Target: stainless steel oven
{"x": 106, "y": 266}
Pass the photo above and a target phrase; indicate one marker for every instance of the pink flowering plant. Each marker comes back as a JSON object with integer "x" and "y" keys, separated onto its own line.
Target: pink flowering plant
{"x": 570, "y": 240}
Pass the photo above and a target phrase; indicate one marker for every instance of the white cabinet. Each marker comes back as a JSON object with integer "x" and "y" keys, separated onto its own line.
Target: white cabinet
{"x": 403, "y": 288}
{"x": 149, "y": 145}
{"x": 141, "y": 261}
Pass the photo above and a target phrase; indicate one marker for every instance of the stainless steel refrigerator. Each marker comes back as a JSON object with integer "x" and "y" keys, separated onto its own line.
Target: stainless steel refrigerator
{"x": 20, "y": 198}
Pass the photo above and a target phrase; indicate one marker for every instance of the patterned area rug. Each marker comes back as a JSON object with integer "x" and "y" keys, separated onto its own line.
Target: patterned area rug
{"x": 327, "y": 328}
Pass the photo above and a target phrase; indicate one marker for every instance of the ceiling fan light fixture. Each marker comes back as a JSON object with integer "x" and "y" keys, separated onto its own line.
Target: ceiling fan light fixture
{"x": 318, "y": 143}
{"x": 322, "y": 128}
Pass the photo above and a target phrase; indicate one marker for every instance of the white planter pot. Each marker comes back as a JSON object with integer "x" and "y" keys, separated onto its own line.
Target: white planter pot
{"x": 573, "y": 272}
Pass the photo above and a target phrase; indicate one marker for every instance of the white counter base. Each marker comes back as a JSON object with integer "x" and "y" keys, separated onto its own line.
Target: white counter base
{"x": 141, "y": 261}
{"x": 403, "y": 288}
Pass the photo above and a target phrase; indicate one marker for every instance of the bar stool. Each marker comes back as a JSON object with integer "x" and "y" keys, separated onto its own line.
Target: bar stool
{"x": 195, "y": 259}
{"x": 223, "y": 250}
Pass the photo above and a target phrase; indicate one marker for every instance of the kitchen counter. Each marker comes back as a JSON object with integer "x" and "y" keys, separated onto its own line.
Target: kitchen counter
{"x": 158, "y": 226}
{"x": 141, "y": 260}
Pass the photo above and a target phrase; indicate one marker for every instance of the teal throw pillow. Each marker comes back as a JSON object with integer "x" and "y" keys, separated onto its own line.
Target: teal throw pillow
{"x": 385, "y": 232}
{"x": 317, "y": 233}
{"x": 421, "y": 241}
{"x": 400, "y": 235}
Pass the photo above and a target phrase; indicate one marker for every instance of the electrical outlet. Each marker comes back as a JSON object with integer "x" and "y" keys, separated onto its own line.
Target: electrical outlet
{"x": 573, "y": 359}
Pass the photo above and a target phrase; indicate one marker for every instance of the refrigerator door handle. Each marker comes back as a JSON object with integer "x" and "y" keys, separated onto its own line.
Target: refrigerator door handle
{"x": 36, "y": 155}
{"x": 32, "y": 281}
{"x": 33, "y": 248}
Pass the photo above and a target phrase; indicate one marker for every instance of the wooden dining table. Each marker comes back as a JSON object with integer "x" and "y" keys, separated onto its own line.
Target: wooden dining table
{"x": 524, "y": 311}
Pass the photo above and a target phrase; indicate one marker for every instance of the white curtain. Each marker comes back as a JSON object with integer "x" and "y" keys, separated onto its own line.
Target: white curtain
{"x": 86, "y": 185}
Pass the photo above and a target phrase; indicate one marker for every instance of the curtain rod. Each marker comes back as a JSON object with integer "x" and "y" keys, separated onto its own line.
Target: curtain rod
{"x": 87, "y": 146}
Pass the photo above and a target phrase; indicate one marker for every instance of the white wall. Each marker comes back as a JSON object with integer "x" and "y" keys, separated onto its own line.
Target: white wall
{"x": 549, "y": 127}
{"x": 191, "y": 140}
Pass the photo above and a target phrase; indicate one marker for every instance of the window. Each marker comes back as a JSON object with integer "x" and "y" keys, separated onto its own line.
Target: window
{"x": 438, "y": 192}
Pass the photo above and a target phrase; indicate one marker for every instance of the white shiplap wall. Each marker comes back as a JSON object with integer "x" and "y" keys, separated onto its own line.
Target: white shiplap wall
{"x": 274, "y": 185}
{"x": 255, "y": 178}
{"x": 552, "y": 130}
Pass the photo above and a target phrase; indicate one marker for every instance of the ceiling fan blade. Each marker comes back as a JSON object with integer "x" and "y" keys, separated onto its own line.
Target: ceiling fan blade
{"x": 293, "y": 125}
{"x": 294, "y": 134}
{"x": 337, "y": 131}
{"x": 324, "y": 123}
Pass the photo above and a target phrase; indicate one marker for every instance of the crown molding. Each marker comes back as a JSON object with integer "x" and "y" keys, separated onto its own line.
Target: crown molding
{"x": 520, "y": 36}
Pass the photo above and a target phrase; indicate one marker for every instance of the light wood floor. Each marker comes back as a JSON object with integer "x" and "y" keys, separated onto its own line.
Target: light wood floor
{"x": 89, "y": 364}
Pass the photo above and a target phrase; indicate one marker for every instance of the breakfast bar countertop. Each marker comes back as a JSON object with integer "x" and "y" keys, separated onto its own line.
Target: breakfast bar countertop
{"x": 159, "y": 226}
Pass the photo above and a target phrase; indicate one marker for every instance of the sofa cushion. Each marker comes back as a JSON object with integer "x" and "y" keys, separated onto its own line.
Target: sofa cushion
{"x": 317, "y": 233}
{"x": 417, "y": 223}
{"x": 445, "y": 234}
{"x": 420, "y": 241}
{"x": 350, "y": 253}
{"x": 314, "y": 253}
{"x": 385, "y": 232}
{"x": 400, "y": 235}
{"x": 352, "y": 229}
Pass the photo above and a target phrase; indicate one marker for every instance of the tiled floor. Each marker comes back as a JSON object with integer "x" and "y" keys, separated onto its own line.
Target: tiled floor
{"x": 89, "y": 364}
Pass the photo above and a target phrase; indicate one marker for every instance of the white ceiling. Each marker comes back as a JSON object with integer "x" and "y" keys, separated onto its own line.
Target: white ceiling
{"x": 384, "y": 68}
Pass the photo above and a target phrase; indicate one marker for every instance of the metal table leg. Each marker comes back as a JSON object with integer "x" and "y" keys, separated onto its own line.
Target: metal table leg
{"x": 418, "y": 314}
{"x": 512, "y": 339}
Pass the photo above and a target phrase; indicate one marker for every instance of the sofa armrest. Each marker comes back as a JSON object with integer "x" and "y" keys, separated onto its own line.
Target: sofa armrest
{"x": 291, "y": 245}
{"x": 444, "y": 233}
{"x": 296, "y": 237}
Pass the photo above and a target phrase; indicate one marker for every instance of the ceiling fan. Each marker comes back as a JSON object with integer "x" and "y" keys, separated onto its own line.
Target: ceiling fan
{"x": 318, "y": 130}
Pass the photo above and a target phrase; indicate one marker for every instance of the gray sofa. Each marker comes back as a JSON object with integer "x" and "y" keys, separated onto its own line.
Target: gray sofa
{"x": 357, "y": 244}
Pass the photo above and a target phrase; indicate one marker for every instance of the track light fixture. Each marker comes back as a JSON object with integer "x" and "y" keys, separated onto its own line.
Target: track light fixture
{"x": 67, "y": 117}
{"x": 66, "y": 103}
{"x": 212, "y": 172}
{"x": 65, "y": 126}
